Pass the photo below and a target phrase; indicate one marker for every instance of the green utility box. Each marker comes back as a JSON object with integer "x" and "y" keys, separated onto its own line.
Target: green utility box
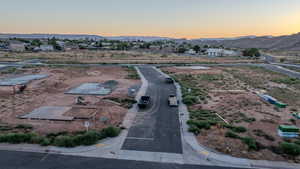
{"x": 286, "y": 128}
{"x": 280, "y": 104}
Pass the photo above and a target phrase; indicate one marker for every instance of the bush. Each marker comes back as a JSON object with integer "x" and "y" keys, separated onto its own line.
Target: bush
{"x": 16, "y": 138}
{"x": 190, "y": 100}
{"x": 290, "y": 148}
{"x": 194, "y": 129}
{"x": 45, "y": 142}
{"x": 239, "y": 129}
{"x": 297, "y": 142}
{"x": 231, "y": 134}
{"x": 111, "y": 132}
{"x": 199, "y": 124}
{"x": 64, "y": 141}
{"x": 251, "y": 143}
{"x": 24, "y": 126}
{"x": 37, "y": 139}
{"x": 89, "y": 138}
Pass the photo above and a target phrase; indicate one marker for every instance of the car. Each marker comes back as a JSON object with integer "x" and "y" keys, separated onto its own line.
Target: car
{"x": 144, "y": 102}
{"x": 169, "y": 80}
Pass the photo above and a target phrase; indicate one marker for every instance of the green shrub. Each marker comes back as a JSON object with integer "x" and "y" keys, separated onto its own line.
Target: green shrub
{"x": 64, "y": 141}
{"x": 251, "y": 143}
{"x": 89, "y": 138}
{"x": 194, "y": 129}
{"x": 36, "y": 139}
{"x": 199, "y": 124}
{"x": 261, "y": 133}
{"x": 249, "y": 120}
{"x": 290, "y": 148}
{"x": 111, "y": 131}
{"x": 239, "y": 129}
{"x": 231, "y": 134}
{"x": 190, "y": 100}
{"x": 45, "y": 142}
{"x": 297, "y": 142}
{"x": 16, "y": 138}
{"x": 24, "y": 126}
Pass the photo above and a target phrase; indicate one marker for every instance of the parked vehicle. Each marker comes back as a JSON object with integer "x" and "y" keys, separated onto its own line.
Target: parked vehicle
{"x": 144, "y": 101}
{"x": 173, "y": 101}
{"x": 169, "y": 80}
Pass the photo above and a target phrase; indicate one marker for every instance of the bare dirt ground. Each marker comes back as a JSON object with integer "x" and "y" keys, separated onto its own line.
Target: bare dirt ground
{"x": 85, "y": 56}
{"x": 50, "y": 92}
{"x": 286, "y": 56}
{"x": 232, "y": 94}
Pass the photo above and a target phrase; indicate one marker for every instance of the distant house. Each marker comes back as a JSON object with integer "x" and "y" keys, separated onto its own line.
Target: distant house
{"x": 17, "y": 46}
{"x": 46, "y": 48}
{"x": 214, "y": 52}
{"x": 191, "y": 52}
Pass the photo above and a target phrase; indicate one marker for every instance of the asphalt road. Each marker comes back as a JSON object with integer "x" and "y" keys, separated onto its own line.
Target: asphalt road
{"x": 156, "y": 129}
{"x": 27, "y": 160}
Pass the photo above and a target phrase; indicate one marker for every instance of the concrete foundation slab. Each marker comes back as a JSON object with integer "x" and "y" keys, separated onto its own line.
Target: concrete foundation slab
{"x": 90, "y": 89}
{"x": 21, "y": 80}
{"x": 49, "y": 113}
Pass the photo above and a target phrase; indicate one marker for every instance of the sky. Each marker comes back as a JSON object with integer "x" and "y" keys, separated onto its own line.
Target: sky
{"x": 167, "y": 18}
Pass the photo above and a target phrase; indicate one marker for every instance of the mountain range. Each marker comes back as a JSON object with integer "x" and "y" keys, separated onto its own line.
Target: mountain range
{"x": 287, "y": 42}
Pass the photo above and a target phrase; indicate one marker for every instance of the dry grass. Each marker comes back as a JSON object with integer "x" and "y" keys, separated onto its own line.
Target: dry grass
{"x": 84, "y": 56}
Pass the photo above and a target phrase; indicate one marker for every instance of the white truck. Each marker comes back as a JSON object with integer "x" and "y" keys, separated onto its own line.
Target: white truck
{"x": 173, "y": 101}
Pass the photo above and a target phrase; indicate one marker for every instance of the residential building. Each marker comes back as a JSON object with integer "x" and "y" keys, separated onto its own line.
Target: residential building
{"x": 191, "y": 52}
{"x": 17, "y": 46}
{"x": 46, "y": 48}
{"x": 215, "y": 52}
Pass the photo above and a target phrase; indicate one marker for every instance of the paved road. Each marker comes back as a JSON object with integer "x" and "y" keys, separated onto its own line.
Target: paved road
{"x": 26, "y": 160}
{"x": 156, "y": 129}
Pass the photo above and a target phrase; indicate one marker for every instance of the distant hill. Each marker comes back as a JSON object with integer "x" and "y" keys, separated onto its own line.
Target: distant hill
{"x": 74, "y": 36}
{"x": 136, "y": 38}
{"x": 49, "y": 36}
{"x": 222, "y": 39}
{"x": 288, "y": 42}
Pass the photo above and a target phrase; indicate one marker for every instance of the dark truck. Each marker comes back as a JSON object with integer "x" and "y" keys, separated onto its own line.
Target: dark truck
{"x": 144, "y": 101}
{"x": 169, "y": 80}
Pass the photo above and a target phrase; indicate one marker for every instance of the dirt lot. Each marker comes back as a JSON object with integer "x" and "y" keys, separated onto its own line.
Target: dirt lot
{"x": 231, "y": 93}
{"x": 84, "y": 56}
{"x": 50, "y": 92}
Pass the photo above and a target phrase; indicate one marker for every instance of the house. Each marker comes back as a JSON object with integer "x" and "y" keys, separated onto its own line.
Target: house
{"x": 214, "y": 52}
{"x": 17, "y": 46}
{"x": 46, "y": 48}
{"x": 191, "y": 52}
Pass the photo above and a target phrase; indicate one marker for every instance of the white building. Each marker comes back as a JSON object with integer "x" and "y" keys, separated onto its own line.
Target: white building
{"x": 46, "y": 48}
{"x": 191, "y": 52}
{"x": 214, "y": 52}
{"x": 17, "y": 46}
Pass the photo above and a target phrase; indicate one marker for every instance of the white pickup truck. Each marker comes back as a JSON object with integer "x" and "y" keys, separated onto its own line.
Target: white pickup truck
{"x": 173, "y": 101}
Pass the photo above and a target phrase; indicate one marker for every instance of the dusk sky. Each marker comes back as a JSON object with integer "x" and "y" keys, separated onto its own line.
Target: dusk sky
{"x": 168, "y": 18}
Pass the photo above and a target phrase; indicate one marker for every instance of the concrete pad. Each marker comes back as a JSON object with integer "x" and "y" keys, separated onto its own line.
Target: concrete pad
{"x": 194, "y": 67}
{"x": 90, "y": 89}
{"x": 2, "y": 66}
{"x": 21, "y": 80}
{"x": 49, "y": 113}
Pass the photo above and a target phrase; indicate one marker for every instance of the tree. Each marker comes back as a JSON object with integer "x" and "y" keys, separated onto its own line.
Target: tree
{"x": 253, "y": 52}
{"x": 54, "y": 44}
{"x": 181, "y": 49}
{"x": 197, "y": 48}
{"x": 36, "y": 42}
